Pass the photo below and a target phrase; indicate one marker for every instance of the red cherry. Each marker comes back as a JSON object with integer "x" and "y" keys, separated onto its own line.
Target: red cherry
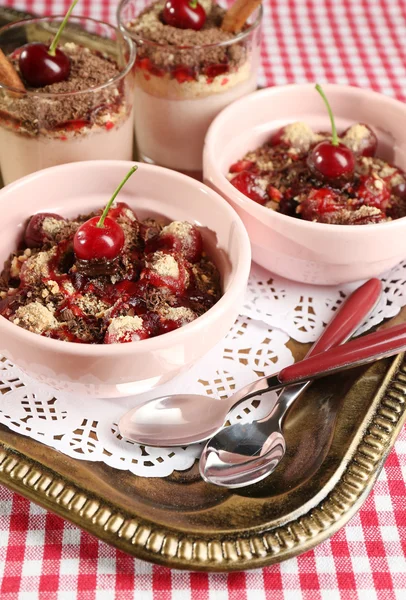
{"x": 34, "y": 235}
{"x": 400, "y": 190}
{"x": 39, "y": 68}
{"x": 332, "y": 163}
{"x": 183, "y": 238}
{"x": 124, "y": 212}
{"x": 277, "y": 137}
{"x": 182, "y": 74}
{"x": 319, "y": 202}
{"x": 246, "y": 183}
{"x": 366, "y": 146}
{"x": 241, "y": 165}
{"x": 373, "y": 192}
{"x": 92, "y": 242}
{"x": 288, "y": 206}
{"x": 212, "y": 71}
{"x": 158, "y": 278}
{"x": 101, "y": 237}
{"x": 184, "y": 14}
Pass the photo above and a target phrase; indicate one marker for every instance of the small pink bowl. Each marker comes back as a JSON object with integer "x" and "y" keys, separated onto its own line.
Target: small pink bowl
{"x": 310, "y": 252}
{"x": 123, "y": 369}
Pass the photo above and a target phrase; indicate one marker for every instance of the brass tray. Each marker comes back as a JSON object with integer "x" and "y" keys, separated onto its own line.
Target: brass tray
{"x": 338, "y": 436}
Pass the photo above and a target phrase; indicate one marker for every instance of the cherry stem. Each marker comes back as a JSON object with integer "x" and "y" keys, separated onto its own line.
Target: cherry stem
{"x": 334, "y": 139}
{"x": 54, "y": 43}
{"x": 193, "y": 4}
{"x": 110, "y": 202}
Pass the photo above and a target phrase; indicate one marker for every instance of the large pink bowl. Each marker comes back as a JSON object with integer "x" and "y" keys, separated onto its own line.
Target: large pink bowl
{"x": 122, "y": 369}
{"x": 302, "y": 250}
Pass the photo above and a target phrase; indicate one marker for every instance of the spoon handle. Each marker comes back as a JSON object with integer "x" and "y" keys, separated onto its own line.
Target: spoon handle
{"x": 368, "y": 348}
{"x": 346, "y": 320}
{"x": 349, "y": 317}
{"x": 342, "y": 326}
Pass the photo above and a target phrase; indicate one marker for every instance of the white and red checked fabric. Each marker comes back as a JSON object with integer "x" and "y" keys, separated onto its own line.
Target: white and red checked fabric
{"x": 357, "y": 42}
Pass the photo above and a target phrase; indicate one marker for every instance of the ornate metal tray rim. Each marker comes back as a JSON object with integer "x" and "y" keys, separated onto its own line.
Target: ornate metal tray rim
{"x": 173, "y": 547}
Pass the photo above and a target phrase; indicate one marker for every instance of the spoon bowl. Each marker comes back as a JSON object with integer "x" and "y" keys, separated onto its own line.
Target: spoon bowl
{"x": 238, "y": 466}
{"x": 174, "y": 420}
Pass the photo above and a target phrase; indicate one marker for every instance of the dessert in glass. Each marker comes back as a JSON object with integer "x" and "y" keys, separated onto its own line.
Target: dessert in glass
{"x": 84, "y": 113}
{"x": 188, "y": 69}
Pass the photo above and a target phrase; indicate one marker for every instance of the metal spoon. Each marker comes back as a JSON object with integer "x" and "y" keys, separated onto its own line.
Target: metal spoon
{"x": 179, "y": 420}
{"x": 186, "y": 409}
{"x": 245, "y": 453}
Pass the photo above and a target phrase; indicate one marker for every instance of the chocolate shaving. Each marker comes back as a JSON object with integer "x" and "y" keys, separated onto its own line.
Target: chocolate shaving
{"x": 194, "y": 49}
{"x": 89, "y": 69}
{"x": 96, "y": 267}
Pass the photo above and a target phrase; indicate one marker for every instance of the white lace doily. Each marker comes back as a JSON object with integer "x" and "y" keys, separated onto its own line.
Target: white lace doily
{"x": 275, "y": 309}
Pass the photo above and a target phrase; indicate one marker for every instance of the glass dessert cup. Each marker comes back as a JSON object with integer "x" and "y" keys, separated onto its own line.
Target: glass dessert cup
{"x": 178, "y": 95}
{"x": 40, "y": 129}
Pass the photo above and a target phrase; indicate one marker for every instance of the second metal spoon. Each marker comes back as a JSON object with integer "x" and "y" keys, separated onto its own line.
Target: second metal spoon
{"x": 245, "y": 453}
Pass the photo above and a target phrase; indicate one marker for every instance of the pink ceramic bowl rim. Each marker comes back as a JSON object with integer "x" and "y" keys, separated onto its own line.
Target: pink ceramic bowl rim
{"x": 239, "y": 273}
{"x": 260, "y": 211}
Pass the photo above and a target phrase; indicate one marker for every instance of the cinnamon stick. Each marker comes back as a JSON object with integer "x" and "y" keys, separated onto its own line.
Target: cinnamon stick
{"x": 8, "y": 74}
{"x": 237, "y": 15}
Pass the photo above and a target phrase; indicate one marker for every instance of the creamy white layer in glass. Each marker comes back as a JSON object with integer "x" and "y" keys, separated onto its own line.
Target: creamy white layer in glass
{"x": 96, "y": 121}
{"x": 179, "y": 91}
{"x": 21, "y": 155}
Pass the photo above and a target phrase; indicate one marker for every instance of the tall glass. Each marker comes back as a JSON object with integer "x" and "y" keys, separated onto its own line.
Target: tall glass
{"x": 179, "y": 90}
{"x": 39, "y": 129}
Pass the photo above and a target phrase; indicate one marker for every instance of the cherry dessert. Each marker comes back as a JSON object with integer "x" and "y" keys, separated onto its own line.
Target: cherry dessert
{"x": 318, "y": 177}
{"x": 42, "y": 65}
{"x": 184, "y": 14}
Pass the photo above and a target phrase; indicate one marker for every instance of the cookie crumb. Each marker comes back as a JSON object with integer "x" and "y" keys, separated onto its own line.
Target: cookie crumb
{"x": 35, "y": 317}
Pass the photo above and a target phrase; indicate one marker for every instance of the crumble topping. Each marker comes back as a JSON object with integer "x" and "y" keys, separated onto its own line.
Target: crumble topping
{"x": 52, "y": 226}
{"x": 188, "y": 44}
{"x": 179, "y": 313}
{"x": 37, "y": 267}
{"x": 181, "y": 229}
{"x": 35, "y": 317}
{"x": 355, "y": 135}
{"x": 299, "y": 135}
{"x": 164, "y": 265}
{"x": 124, "y": 326}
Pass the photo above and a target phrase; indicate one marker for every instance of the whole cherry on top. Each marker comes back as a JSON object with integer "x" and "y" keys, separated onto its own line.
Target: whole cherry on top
{"x": 331, "y": 161}
{"x": 101, "y": 238}
{"x": 184, "y": 14}
{"x": 41, "y": 64}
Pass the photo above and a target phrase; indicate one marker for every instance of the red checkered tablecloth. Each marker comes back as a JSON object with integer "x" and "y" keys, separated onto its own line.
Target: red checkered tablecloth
{"x": 360, "y": 42}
